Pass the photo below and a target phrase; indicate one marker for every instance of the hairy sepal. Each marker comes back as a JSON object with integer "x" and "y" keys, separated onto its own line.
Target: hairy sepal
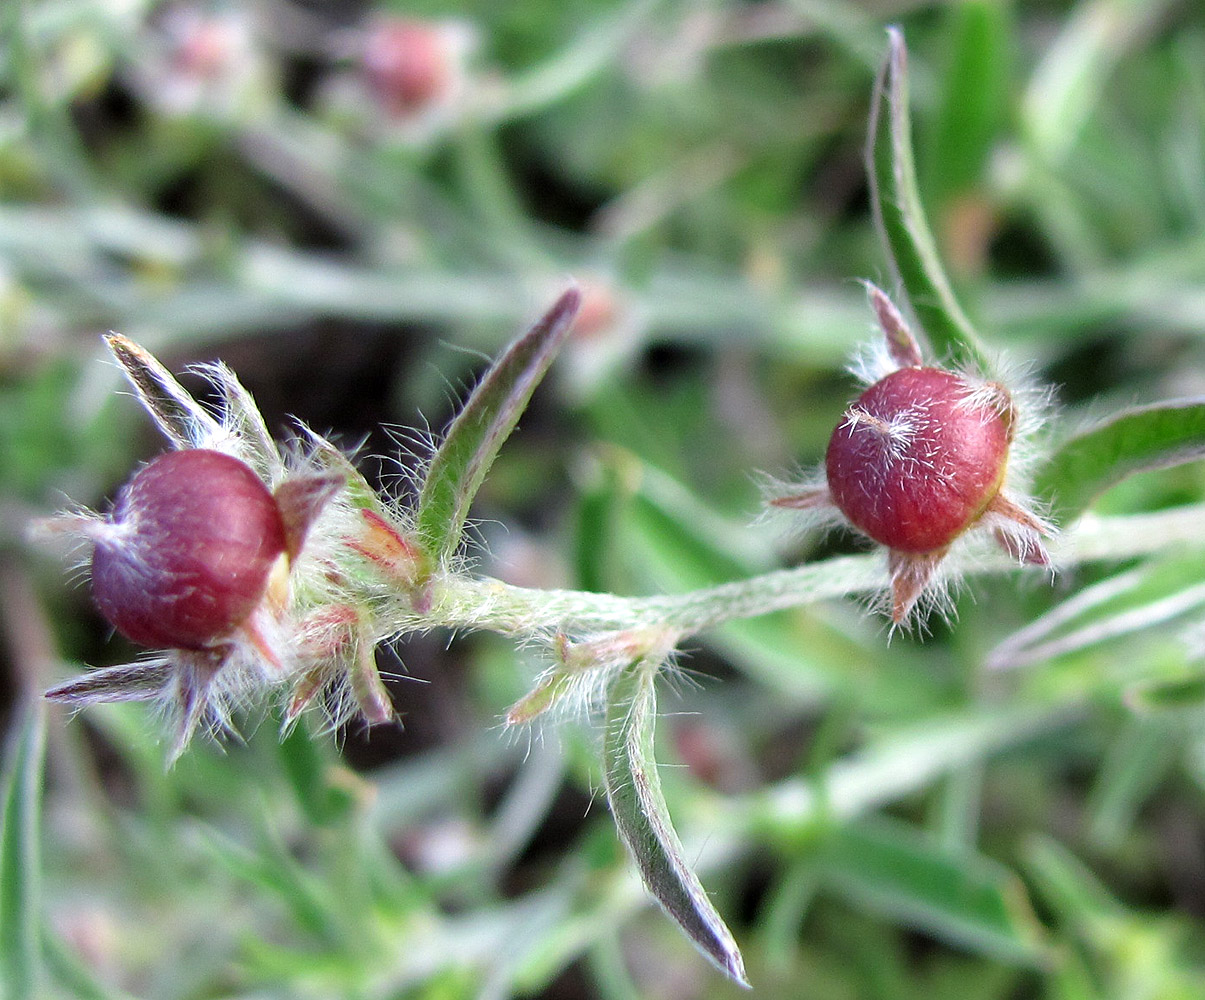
{"x": 182, "y": 419}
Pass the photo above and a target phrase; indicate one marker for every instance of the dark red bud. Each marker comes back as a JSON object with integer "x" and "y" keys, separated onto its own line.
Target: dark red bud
{"x": 917, "y": 458}
{"x": 185, "y": 556}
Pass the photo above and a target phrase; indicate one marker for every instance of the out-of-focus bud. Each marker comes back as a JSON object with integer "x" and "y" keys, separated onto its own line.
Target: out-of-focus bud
{"x": 413, "y": 68}
{"x": 194, "y": 61}
{"x": 407, "y": 65}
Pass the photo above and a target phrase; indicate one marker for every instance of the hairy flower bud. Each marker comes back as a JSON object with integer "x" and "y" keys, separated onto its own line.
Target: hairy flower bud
{"x": 186, "y": 554}
{"x": 918, "y": 457}
{"x": 918, "y": 460}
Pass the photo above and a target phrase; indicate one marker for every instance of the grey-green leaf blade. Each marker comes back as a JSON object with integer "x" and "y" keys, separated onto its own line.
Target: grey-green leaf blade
{"x": 961, "y": 897}
{"x": 1141, "y": 439}
{"x": 901, "y": 219}
{"x": 493, "y": 409}
{"x": 634, "y": 793}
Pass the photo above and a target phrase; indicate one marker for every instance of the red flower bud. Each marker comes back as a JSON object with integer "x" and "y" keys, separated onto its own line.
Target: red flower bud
{"x": 185, "y": 555}
{"x": 918, "y": 458}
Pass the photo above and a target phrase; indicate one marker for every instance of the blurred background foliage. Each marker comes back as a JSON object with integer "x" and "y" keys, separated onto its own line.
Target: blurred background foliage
{"x": 262, "y": 182}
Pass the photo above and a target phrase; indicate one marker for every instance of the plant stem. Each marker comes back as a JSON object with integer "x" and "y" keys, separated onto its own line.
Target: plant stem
{"x": 490, "y": 604}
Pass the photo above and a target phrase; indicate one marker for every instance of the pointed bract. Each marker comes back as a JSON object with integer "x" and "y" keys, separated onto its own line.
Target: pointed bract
{"x": 186, "y": 423}
{"x": 301, "y": 500}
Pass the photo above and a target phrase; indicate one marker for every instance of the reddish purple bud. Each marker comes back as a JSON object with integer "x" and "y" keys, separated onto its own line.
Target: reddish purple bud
{"x": 918, "y": 457}
{"x": 185, "y": 556}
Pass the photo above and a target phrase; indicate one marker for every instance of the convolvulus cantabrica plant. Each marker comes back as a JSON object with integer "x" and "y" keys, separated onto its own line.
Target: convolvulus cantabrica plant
{"x": 261, "y": 571}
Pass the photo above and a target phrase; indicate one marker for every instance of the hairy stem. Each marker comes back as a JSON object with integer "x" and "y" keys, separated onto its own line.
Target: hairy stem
{"x": 490, "y": 604}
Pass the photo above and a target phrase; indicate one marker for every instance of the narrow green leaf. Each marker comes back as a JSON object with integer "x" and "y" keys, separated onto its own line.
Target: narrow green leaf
{"x": 21, "y": 866}
{"x": 459, "y": 466}
{"x": 1135, "y": 764}
{"x": 595, "y": 553}
{"x": 1136, "y": 440}
{"x": 307, "y": 763}
{"x": 271, "y": 868}
{"x": 597, "y": 49}
{"x": 634, "y": 792}
{"x": 974, "y": 93}
{"x": 1068, "y": 86}
{"x": 901, "y": 217}
{"x": 1066, "y": 885}
{"x": 961, "y": 897}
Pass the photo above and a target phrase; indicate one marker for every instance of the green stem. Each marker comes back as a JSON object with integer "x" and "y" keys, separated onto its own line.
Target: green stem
{"x": 490, "y": 604}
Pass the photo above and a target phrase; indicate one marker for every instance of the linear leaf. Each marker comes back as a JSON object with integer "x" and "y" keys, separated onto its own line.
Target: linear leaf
{"x": 1135, "y": 764}
{"x": 1135, "y": 440}
{"x": 961, "y": 896}
{"x": 901, "y": 220}
{"x": 634, "y": 792}
{"x": 20, "y": 865}
{"x": 487, "y": 419}
{"x": 1163, "y": 694}
{"x": 270, "y": 868}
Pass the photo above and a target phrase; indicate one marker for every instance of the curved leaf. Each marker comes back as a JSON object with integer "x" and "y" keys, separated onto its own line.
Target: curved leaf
{"x": 962, "y": 897}
{"x": 1137, "y": 440}
{"x": 459, "y": 466}
{"x": 634, "y": 792}
{"x": 974, "y": 97}
{"x": 901, "y": 220}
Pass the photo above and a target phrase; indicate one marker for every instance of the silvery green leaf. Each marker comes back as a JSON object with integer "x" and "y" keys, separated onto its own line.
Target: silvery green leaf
{"x": 901, "y": 218}
{"x": 20, "y": 864}
{"x": 1130, "y": 601}
{"x": 634, "y": 793}
{"x": 493, "y": 409}
{"x": 1138, "y": 439}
